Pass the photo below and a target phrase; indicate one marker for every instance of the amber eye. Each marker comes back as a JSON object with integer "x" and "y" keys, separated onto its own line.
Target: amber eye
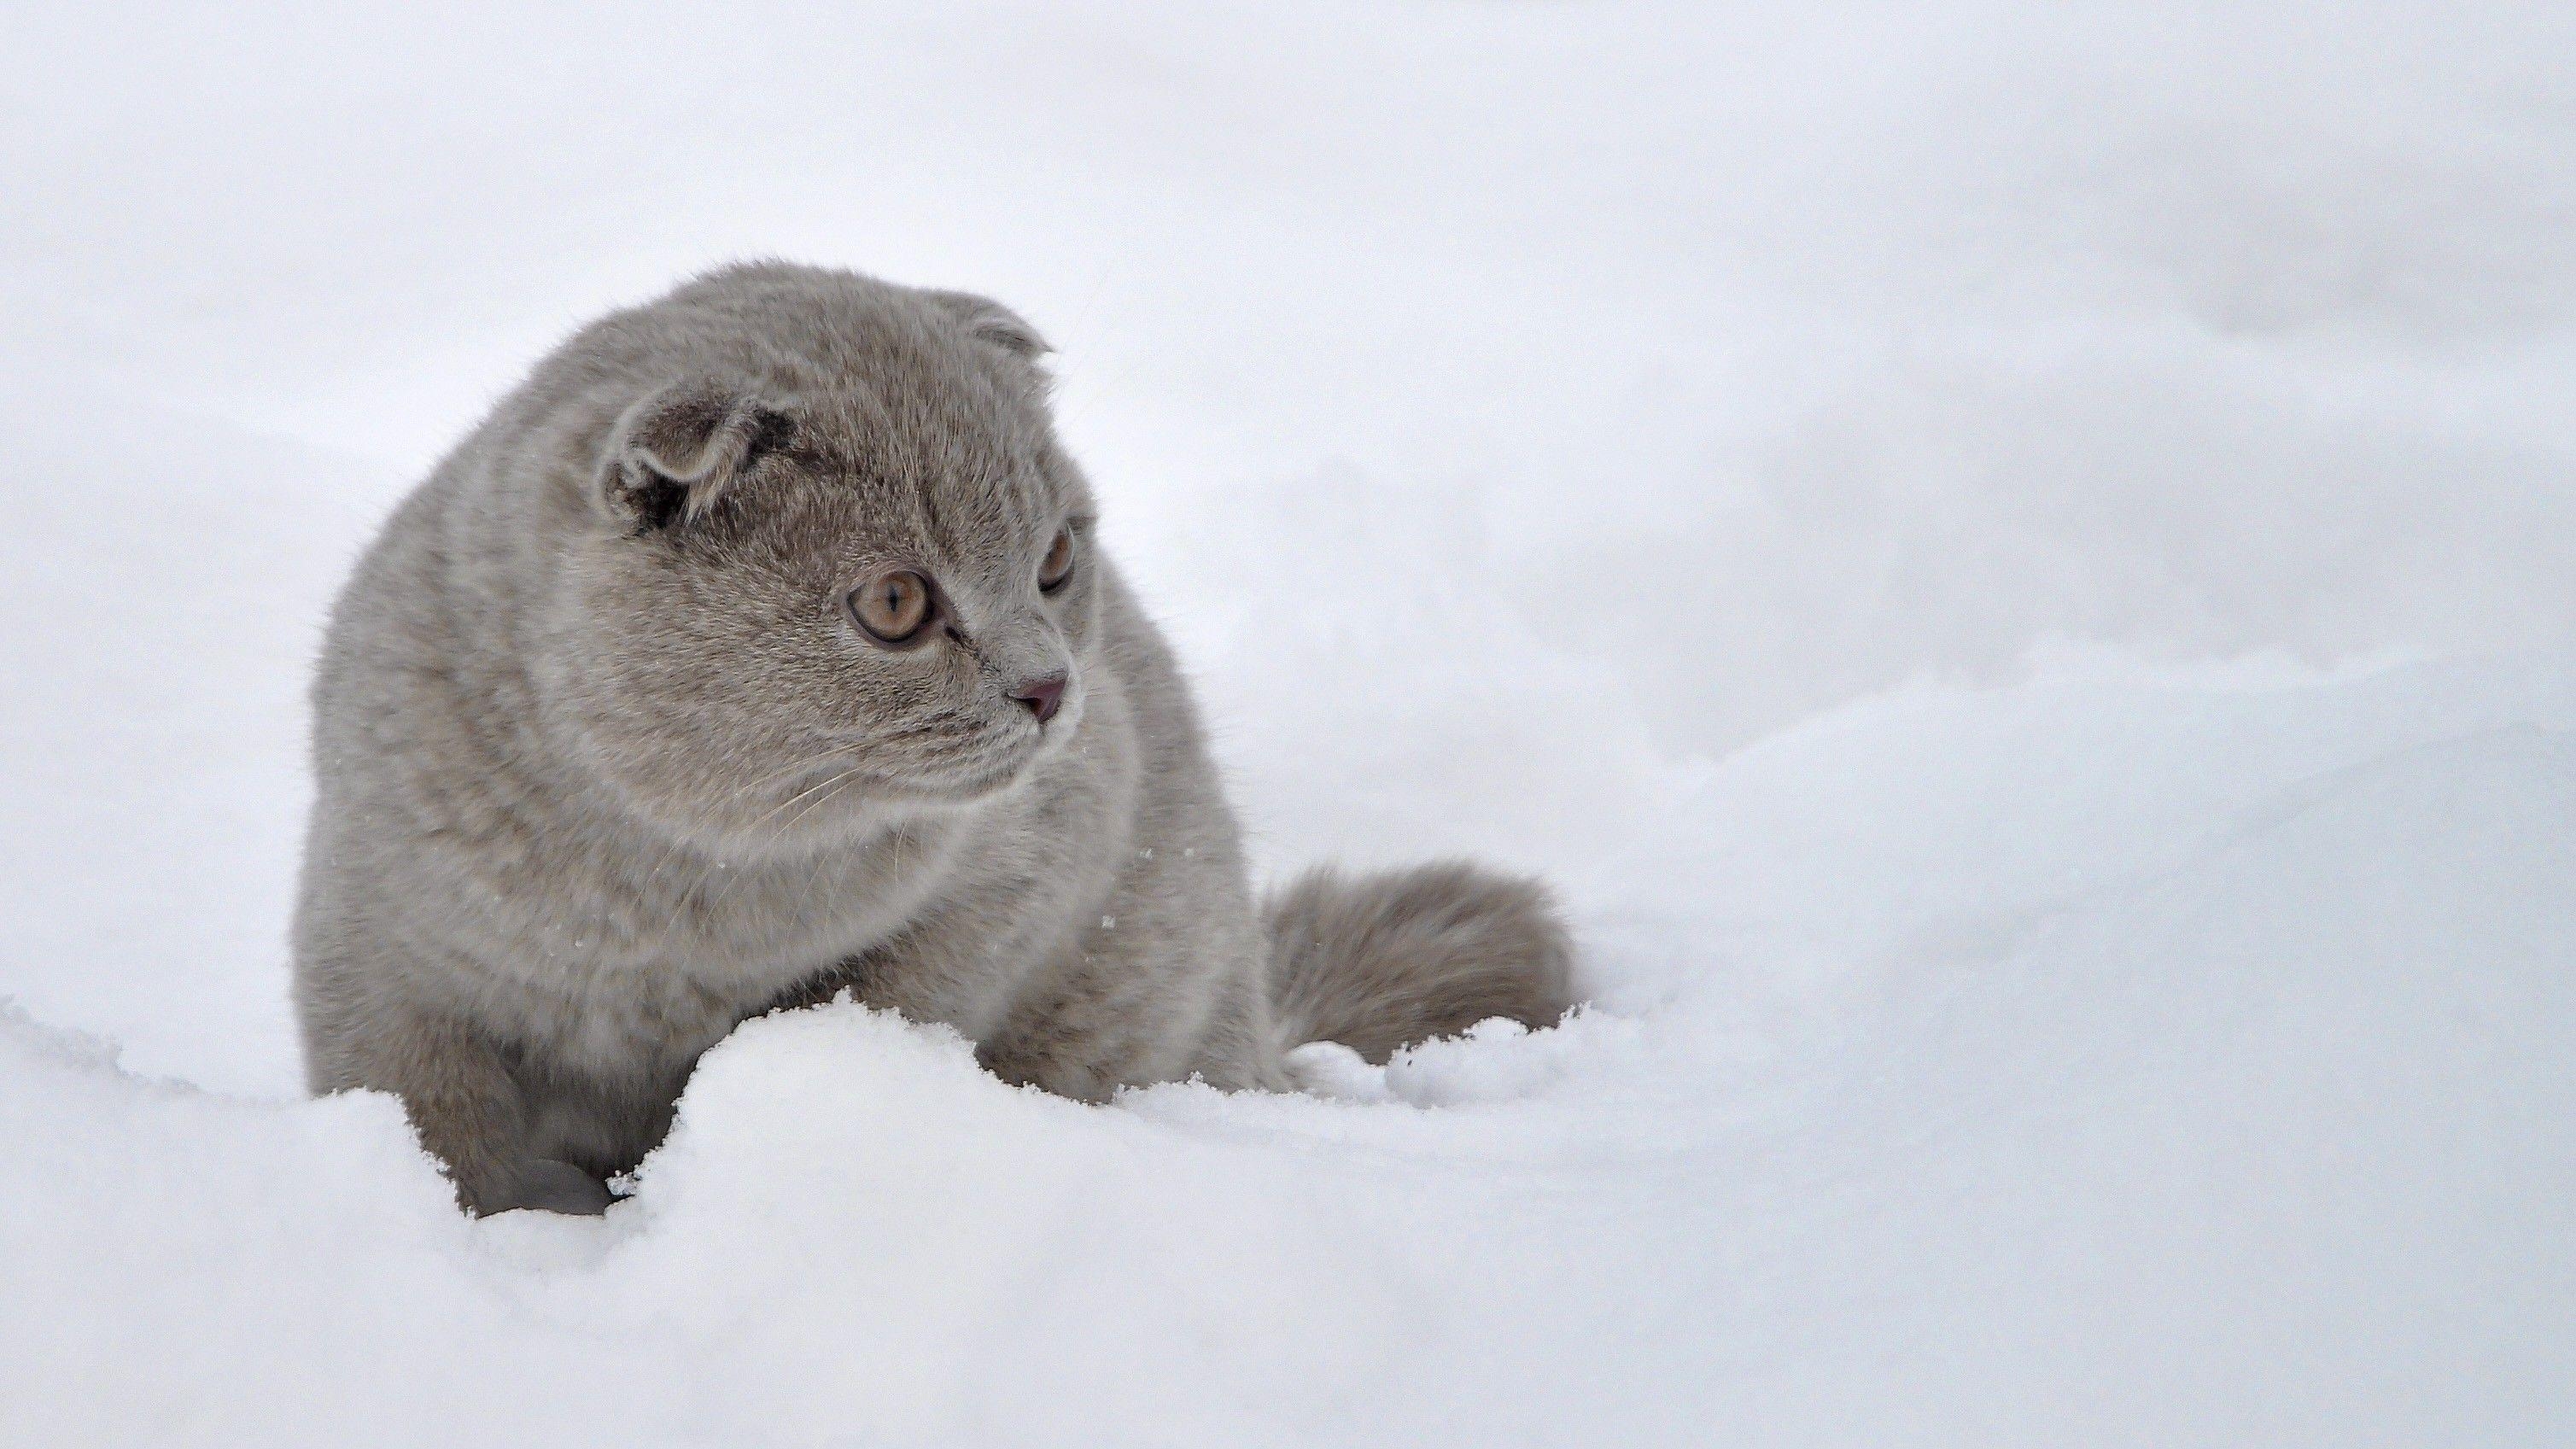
{"x": 1057, "y": 566}
{"x": 893, "y": 606}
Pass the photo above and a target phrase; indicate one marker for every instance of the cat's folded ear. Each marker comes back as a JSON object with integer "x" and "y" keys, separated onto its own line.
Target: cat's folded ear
{"x": 989, "y": 321}
{"x": 677, "y": 450}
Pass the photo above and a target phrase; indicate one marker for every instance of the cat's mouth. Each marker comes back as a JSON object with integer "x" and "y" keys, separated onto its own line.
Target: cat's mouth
{"x": 1012, "y": 756}
{"x": 997, "y": 761}
{"x": 960, "y": 767}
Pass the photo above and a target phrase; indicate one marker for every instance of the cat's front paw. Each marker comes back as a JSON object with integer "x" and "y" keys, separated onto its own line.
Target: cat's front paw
{"x": 551, "y": 1185}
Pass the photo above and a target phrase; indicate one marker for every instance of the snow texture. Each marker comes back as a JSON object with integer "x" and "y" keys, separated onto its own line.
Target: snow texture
{"x": 2012, "y": 562}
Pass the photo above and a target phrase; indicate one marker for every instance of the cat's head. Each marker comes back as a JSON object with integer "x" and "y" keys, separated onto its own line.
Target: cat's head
{"x": 832, "y": 558}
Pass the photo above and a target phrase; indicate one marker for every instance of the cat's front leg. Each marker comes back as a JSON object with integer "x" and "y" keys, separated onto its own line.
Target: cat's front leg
{"x": 463, "y": 1100}
{"x": 550, "y": 1184}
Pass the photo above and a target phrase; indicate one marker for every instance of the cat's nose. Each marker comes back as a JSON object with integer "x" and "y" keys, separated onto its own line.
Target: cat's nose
{"x": 1041, "y": 696}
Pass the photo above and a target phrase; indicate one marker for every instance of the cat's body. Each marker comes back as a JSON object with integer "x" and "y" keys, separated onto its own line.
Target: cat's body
{"x": 617, "y": 745}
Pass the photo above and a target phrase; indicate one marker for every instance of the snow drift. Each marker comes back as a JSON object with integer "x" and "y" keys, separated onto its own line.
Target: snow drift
{"x": 2225, "y": 1103}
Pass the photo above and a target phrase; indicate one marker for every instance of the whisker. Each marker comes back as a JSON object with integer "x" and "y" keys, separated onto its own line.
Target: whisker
{"x": 705, "y": 820}
{"x": 829, "y": 789}
{"x": 680, "y": 906}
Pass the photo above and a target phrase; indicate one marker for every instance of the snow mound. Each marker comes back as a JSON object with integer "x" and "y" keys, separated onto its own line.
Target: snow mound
{"x": 2228, "y": 1104}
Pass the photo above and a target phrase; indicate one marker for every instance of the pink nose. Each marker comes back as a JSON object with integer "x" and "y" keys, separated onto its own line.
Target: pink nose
{"x": 1041, "y": 696}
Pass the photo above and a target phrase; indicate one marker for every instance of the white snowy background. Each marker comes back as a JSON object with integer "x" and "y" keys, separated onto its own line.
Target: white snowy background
{"x": 2016, "y": 564}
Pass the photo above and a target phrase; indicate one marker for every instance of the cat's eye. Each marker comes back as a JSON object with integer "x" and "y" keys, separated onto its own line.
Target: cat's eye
{"x": 893, "y": 606}
{"x": 1057, "y": 566}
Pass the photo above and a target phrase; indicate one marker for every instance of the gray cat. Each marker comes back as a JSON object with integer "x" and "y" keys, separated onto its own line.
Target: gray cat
{"x": 761, "y": 646}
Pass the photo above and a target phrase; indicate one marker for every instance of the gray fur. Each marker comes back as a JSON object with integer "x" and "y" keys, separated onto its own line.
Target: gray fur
{"x": 1404, "y": 956}
{"x": 605, "y": 766}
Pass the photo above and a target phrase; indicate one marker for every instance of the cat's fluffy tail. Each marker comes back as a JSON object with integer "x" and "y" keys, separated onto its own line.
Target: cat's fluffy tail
{"x": 1376, "y": 961}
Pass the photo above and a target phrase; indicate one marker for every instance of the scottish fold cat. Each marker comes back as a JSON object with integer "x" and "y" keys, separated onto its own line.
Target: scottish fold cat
{"x": 763, "y": 645}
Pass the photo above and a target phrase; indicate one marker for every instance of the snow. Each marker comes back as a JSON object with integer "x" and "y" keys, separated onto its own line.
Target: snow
{"x": 2011, "y": 563}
